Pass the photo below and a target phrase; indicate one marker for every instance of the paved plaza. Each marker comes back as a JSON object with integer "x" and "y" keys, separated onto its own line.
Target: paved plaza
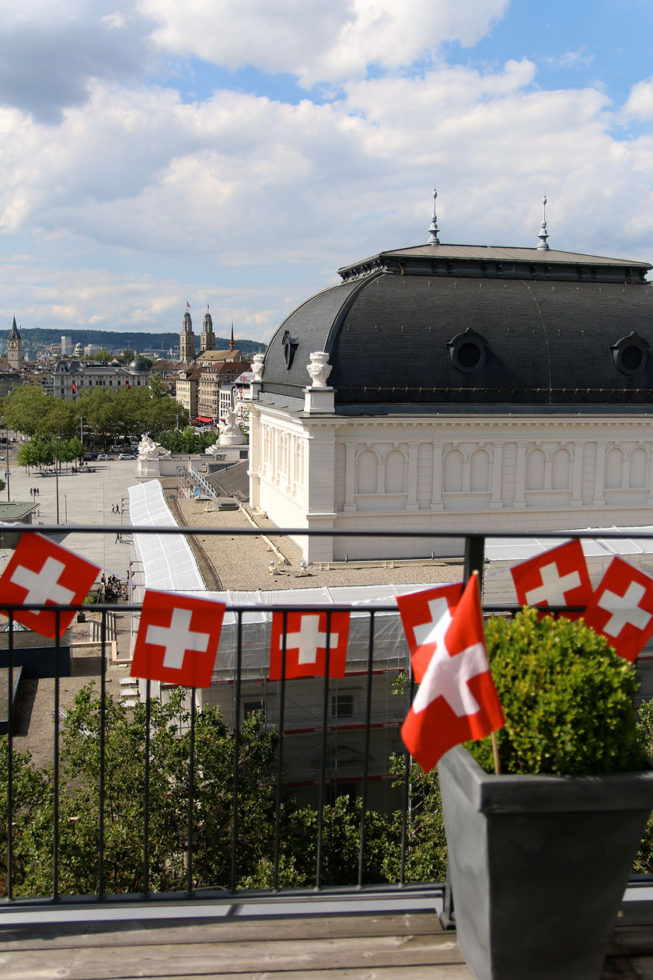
{"x": 90, "y": 496}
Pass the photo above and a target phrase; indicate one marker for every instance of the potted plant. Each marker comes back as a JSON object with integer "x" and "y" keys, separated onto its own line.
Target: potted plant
{"x": 539, "y": 856}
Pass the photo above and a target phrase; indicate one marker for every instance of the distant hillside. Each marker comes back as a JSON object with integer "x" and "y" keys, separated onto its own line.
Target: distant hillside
{"x": 115, "y": 341}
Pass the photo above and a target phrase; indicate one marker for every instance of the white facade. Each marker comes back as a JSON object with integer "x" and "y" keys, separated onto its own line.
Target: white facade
{"x": 446, "y": 473}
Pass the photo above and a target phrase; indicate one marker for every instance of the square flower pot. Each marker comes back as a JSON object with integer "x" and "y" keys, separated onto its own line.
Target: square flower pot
{"x": 538, "y": 866}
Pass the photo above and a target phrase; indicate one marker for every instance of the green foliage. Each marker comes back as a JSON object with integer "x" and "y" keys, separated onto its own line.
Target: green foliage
{"x": 26, "y": 408}
{"x": 170, "y": 792}
{"x": 31, "y": 792}
{"x": 567, "y": 697}
{"x": 189, "y": 441}
{"x": 644, "y": 860}
{"x": 425, "y": 857}
{"x": 108, "y": 415}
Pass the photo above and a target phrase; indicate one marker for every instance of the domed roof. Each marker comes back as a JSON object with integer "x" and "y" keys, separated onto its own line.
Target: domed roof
{"x": 443, "y": 325}
{"x": 139, "y": 364}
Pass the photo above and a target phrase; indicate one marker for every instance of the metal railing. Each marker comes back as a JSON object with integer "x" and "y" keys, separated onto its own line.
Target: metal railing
{"x": 209, "y": 808}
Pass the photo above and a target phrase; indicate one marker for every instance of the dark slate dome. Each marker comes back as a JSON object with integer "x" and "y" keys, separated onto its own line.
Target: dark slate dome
{"x": 138, "y": 364}
{"x": 454, "y": 325}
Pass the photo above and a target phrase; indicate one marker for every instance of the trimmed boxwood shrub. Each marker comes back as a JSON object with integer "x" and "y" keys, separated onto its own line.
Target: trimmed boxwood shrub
{"x": 567, "y": 697}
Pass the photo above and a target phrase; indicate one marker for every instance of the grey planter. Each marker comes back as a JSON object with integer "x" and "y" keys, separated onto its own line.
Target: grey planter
{"x": 538, "y": 866}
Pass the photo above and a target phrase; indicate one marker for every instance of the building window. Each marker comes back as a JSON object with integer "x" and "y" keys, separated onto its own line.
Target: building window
{"x": 250, "y": 707}
{"x": 467, "y": 351}
{"x": 630, "y": 354}
{"x": 342, "y": 705}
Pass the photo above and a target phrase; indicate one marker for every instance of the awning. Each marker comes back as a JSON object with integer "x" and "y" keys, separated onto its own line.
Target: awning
{"x": 203, "y": 419}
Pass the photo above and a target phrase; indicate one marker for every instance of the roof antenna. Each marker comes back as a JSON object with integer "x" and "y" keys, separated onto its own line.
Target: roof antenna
{"x": 543, "y": 235}
{"x": 433, "y": 227}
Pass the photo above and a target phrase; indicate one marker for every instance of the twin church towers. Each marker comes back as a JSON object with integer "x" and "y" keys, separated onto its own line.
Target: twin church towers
{"x": 187, "y": 352}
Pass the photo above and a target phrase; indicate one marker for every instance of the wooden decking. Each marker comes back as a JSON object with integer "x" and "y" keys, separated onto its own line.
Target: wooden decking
{"x": 355, "y": 946}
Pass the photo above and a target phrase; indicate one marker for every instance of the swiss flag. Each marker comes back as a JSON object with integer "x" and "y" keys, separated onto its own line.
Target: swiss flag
{"x": 42, "y": 572}
{"x": 306, "y": 642}
{"x": 426, "y": 617}
{"x": 457, "y": 699}
{"x": 177, "y": 639}
{"x": 622, "y": 608}
{"x": 558, "y": 577}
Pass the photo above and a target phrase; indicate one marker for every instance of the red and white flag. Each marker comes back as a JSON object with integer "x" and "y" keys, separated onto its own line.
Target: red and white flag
{"x": 42, "y": 572}
{"x": 306, "y": 644}
{"x": 622, "y": 608}
{"x": 177, "y": 639}
{"x": 558, "y": 577}
{"x": 426, "y": 617}
{"x": 457, "y": 699}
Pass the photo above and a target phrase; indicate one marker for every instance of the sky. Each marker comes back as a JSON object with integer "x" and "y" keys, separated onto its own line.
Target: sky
{"x": 235, "y": 153}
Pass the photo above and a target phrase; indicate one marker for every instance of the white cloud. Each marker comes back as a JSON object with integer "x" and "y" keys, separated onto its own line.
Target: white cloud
{"x": 131, "y": 200}
{"x": 51, "y": 52}
{"x": 316, "y": 41}
{"x": 640, "y": 100}
{"x": 582, "y": 58}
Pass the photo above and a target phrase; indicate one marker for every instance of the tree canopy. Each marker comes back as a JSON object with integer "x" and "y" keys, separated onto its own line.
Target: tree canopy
{"x": 104, "y": 416}
{"x": 184, "y": 805}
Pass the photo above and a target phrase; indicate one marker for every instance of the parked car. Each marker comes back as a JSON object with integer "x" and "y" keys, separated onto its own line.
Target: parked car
{"x": 126, "y": 456}
{"x": 104, "y": 456}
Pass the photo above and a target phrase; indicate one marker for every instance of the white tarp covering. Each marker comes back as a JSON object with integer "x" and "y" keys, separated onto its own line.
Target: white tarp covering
{"x": 168, "y": 562}
{"x": 596, "y": 546}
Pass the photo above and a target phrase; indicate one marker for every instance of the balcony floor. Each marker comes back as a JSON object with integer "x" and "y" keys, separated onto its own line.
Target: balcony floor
{"x": 247, "y": 946}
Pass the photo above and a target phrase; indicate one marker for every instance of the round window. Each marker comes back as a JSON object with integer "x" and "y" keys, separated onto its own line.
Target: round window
{"x": 630, "y": 354}
{"x": 467, "y": 351}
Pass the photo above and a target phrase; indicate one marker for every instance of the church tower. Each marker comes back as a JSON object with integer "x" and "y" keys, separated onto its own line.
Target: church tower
{"x": 15, "y": 348}
{"x": 187, "y": 340}
{"x": 207, "y": 340}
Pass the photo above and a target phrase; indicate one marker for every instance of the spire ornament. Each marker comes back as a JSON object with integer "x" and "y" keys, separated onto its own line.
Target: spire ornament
{"x": 543, "y": 235}
{"x": 433, "y": 227}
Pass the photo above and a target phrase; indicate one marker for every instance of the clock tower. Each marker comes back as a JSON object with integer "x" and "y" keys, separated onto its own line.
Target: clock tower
{"x": 15, "y": 348}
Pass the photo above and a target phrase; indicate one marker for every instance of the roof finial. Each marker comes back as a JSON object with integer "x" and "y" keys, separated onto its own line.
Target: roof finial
{"x": 433, "y": 227}
{"x": 543, "y": 235}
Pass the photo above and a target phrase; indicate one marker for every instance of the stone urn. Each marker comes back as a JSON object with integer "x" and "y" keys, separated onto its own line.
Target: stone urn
{"x": 319, "y": 368}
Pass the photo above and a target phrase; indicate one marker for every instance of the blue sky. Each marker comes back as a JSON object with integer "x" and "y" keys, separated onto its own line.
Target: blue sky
{"x": 237, "y": 153}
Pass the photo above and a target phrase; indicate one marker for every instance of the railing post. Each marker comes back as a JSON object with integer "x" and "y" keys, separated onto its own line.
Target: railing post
{"x": 474, "y": 557}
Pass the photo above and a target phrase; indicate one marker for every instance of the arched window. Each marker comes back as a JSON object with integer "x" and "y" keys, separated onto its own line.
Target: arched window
{"x": 367, "y": 472}
{"x": 638, "y": 469}
{"x": 480, "y": 471}
{"x": 613, "y": 469}
{"x": 535, "y": 466}
{"x": 453, "y": 471}
{"x": 560, "y": 471}
{"x": 394, "y": 472}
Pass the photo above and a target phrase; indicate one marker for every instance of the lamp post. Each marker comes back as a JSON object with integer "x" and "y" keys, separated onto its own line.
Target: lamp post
{"x": 8, "y": 467}
{"x": 56, "y": 473}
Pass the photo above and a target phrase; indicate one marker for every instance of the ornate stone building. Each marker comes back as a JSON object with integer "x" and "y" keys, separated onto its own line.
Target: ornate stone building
{"x": 71, "y": 377}
{"x": 467, "y": 388}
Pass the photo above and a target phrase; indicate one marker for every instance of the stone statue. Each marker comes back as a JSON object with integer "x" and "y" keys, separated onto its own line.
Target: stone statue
{"x": 230, "y": 434}
{"x": 149, "y": 449}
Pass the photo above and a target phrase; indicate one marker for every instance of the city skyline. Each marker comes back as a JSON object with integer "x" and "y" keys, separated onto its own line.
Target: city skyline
{"x": 237, "y": 154}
